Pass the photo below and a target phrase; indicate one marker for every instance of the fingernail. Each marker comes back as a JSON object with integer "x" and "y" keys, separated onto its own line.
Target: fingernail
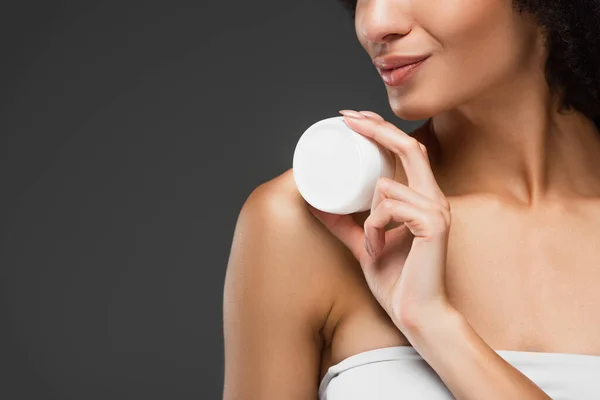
{"x": 367, "y": 114}
{"x": 351, "y": 114}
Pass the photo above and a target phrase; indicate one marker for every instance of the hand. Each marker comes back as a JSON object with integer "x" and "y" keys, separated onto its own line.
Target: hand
{"x": 405, "y": 266}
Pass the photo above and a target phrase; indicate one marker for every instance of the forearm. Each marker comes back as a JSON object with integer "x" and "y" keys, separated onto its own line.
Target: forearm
{"x": 466, "y": 364}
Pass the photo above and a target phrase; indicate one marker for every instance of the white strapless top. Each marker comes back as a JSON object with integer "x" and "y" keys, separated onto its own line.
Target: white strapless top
{"x": 399, "y": 372}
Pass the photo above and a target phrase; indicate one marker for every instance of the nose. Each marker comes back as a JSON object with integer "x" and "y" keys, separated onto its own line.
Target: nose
{"x": 381, "y": 21}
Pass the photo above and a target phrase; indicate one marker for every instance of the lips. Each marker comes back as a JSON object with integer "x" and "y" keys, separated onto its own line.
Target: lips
{"x": 393, "y": 61}
{"x": 398, "y": 76}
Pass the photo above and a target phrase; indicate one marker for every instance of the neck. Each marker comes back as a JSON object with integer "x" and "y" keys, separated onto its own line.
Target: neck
{"x": 521, "y": 149}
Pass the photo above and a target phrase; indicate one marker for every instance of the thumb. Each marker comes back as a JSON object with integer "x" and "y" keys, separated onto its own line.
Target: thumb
{"x": 344, "y": 228}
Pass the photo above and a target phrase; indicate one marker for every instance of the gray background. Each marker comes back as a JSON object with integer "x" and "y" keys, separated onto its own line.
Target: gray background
{"x": 131, "y": 134}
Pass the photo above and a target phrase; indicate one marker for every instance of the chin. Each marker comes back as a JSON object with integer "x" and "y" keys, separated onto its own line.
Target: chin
{"x": 413, "y": 110}
{"x": 412, "y": 113}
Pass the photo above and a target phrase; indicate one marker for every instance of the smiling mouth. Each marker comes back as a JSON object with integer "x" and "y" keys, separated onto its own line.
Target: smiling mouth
{"x": 399, "y": 75}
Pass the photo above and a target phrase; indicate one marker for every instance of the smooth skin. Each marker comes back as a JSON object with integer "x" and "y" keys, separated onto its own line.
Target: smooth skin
{"x": 523, "y": 183}
{"x": 405, "y": 269}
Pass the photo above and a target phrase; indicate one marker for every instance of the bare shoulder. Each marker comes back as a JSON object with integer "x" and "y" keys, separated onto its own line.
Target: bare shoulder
{"x": 279, "y": 291}
{"x": 275, "y": 215}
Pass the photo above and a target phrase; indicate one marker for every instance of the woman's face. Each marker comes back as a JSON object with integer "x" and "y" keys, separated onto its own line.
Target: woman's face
{"x": 479, "y": 49}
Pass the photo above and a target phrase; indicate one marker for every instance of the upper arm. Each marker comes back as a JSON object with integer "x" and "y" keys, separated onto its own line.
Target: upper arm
{"x": 275, "y": 300}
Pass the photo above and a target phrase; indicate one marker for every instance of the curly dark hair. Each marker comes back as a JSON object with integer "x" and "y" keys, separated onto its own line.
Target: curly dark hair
{"x": 572, "y": 30}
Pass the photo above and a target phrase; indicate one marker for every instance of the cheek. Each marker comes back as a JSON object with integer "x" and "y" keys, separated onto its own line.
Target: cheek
{"x": 478, "y": 45}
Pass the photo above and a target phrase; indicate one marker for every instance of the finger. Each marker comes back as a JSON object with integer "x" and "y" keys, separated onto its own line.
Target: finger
{"x": 373, "y": 115}
{"x": 387, "y": 188}
{"x": 424, "y": 151}
{"x": 407, "y": 148}
{"x": 378, "y": 117}
{"x": 421, "y": 222}
{"x": 344, "y": 228}
{"x": 416, "y": 166}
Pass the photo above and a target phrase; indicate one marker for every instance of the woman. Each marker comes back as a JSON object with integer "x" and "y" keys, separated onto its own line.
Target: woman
{"x": 475, "y": 274}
